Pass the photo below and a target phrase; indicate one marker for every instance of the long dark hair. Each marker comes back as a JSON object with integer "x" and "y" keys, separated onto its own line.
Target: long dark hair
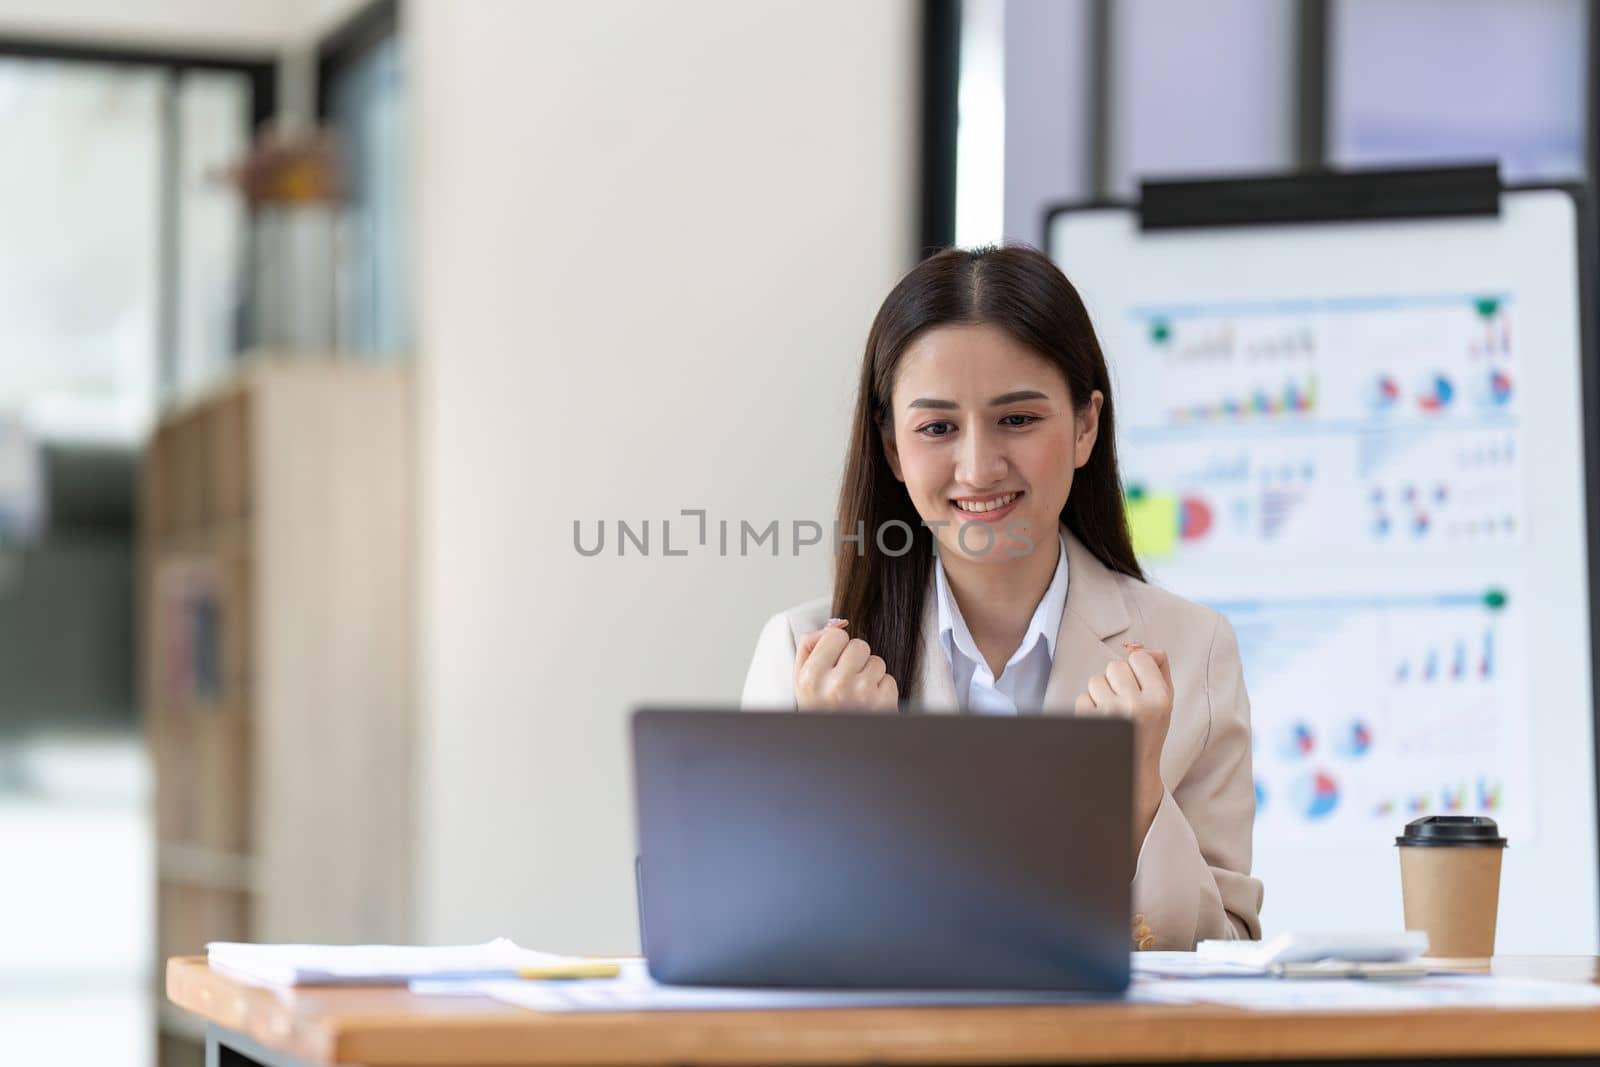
{"x": 1021, "y": 291}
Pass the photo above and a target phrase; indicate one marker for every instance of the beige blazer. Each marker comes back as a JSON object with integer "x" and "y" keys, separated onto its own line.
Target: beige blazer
{"x": 1192, "y": 879}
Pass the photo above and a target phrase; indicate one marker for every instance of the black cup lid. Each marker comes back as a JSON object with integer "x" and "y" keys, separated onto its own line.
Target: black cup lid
{"x": 1452, "y": 830}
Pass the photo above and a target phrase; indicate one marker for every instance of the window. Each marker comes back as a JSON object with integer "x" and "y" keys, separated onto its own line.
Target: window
{"x": 361, "y": 92}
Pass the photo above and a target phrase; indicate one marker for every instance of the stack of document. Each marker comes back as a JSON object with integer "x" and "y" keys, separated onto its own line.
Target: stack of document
{"x": 294, "y": 965}
{"x": 1342, "y": 995}
{"x": 1381, "y": 946}
{"x": 634, "y": 990}
{"x": 1382, "y": 954}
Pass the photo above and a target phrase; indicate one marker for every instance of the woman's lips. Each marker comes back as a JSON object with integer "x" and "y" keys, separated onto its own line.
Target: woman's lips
{"x": 988, "y": 516}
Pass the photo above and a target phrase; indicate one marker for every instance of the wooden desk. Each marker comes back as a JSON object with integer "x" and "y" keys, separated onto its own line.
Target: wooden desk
{"x": 391, "y": 1028}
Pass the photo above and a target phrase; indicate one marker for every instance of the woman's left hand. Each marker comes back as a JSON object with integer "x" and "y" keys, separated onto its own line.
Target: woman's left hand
{"x": 1138, "y": 688}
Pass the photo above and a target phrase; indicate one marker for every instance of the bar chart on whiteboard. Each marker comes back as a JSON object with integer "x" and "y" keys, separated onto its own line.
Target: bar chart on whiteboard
{"x": 1331, "y": 474}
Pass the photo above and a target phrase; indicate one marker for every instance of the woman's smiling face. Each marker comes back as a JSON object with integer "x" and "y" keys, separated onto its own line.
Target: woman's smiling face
{"x": 985, "y": 438}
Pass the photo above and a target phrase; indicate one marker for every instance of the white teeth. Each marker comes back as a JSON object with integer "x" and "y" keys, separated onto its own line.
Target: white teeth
{"x": 988, "y": 506}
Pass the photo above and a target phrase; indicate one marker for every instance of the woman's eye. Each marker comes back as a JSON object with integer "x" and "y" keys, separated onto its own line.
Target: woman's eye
{"x": 1027, "y": 420}
{"x": 937, "y": 429}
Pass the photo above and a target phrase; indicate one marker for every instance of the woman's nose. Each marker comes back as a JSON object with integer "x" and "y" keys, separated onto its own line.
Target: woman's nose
{"x": 981, "y": 460}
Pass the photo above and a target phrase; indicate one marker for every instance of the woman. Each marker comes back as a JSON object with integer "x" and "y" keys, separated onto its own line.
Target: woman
{"x": 996, "y": 574}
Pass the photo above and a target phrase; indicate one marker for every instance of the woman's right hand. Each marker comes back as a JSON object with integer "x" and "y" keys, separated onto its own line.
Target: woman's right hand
{"x": 835, "y": 672}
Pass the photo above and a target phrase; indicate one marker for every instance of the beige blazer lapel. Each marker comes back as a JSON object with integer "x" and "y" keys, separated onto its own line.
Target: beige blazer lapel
{"x": 1095, "y": 613}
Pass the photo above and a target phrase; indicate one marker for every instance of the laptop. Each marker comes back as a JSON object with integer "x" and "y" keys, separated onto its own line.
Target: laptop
{"x": 858, "y": 850}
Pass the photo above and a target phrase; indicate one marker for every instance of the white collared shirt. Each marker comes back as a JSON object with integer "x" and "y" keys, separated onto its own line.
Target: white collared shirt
{"x": 1022, "y": 681}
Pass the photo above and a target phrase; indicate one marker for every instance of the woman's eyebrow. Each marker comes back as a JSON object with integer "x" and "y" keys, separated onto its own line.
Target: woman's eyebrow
{"x": 1003, "y": 398}
{"x": 1020, "y": 394}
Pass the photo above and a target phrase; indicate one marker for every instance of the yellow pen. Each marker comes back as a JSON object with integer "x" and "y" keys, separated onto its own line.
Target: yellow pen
{"x": 575, "y": 969}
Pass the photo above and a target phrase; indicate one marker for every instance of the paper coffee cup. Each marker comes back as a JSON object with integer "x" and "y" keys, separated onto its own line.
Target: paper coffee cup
{"x": 1450, "y": 880}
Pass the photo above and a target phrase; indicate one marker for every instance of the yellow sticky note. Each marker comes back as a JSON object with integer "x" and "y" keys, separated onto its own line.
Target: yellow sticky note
{"x": 1153, "y": 522}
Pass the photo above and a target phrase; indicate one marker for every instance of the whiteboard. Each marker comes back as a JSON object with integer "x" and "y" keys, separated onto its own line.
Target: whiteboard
{"x": 1362, "y": 442}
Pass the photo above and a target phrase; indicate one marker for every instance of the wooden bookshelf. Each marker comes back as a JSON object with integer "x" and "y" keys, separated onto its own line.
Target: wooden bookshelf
{"x": 275, "y": 583}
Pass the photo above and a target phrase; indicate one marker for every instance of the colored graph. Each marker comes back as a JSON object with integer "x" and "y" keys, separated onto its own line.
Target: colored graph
{"x": 1215, "y": 344}
{"x": 1358, "y": 741}
{"x": 1448, "y": 486}
{"x": 1499, "y": 388}
{"x": 1450, "y": 799}
{"x": 1284, "y": 342}
{"x": 1153, "y": 521}
{"x": 1436, "y": 395}
{"x": 1403, "y": 413}
{"x": 1299, "y": 741}
{"x": 1292, "y": 398}
{"x": 1345, "y": 479}
{"x": 1494, "y": 337}
{"x": 1317, "y": 795}
{"x": 1377, "y": 706}
{"x": 1159, "y": 521}
{"x": 1283, "y": 492}
{"x": 1451, "y": 660}
{"x": 1411, "y": 509}
{"x": 1385, "y": 393}
{"x": 1194, "y": 518}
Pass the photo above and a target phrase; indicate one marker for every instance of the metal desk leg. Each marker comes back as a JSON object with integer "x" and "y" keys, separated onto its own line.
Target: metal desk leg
{"x": 229, "y": 1048}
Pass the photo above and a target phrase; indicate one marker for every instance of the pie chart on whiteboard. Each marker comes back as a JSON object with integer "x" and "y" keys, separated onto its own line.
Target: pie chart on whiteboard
{"x": 1194, "y": 518}
{"x": 1317, "y": 794}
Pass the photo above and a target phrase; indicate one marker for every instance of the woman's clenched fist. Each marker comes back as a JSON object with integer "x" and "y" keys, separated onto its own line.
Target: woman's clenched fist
{"x": 835, "y": 672}
{"x": 1138, "y": 688}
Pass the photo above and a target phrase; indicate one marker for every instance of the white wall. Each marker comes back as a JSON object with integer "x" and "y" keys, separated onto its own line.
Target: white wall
{"x": 222, "y": 24}
{"x": 652, "y": 237}
{"x": 318, "y": 17}
{"x": 248, "y": 26}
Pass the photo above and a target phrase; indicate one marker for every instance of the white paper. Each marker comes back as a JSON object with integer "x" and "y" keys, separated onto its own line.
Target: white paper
{"x": 1346, "y": 994}
{"x": 1379, "y": 946}
{"x": 1189, "y": 965}
{"x": 289, "y": 965}
{"x": 635, "y": 990}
